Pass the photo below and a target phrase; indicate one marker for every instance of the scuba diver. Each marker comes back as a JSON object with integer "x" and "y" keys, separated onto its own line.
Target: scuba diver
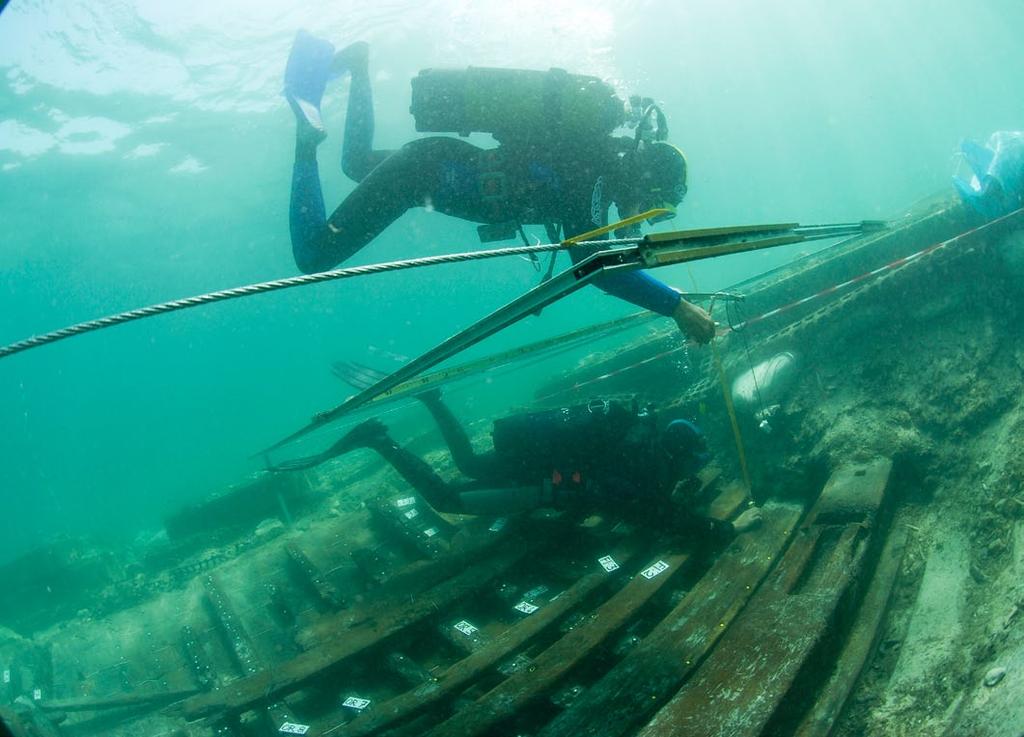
{"x": 556, "y": 164}
{"x": 599, "y": 455}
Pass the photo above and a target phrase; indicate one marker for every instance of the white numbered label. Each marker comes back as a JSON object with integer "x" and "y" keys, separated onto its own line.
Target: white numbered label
{"x": 608, "y": 563}
{"x": 7, "y": 676}
{"x": 354, "y": 702}
{"x": 292, "y": 728}
{"x": 37, "y": 694}
{"x": 655, "y": 569}
{"x": 526, "y": 607}
{"x": 405, "y": 501}
{"x": 412, "y": 514}
{"x": 465, "y": 628}
{"x": 430, "y": 531}
{"x": 498, "y": 525}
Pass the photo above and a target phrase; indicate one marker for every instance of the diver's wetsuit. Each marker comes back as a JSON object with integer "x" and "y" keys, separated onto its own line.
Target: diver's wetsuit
{"x": 609, "y": 458}
{"x": 568, "y": 183}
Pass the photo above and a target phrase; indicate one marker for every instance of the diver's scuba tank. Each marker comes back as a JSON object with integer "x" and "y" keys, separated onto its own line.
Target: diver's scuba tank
{"x": 514, "y": 103}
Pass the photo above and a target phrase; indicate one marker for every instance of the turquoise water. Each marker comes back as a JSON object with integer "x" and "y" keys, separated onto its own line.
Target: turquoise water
{"x": 145, "y": 154}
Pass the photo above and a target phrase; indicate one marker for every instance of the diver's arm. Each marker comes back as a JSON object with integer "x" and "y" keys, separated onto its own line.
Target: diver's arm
{"x": 637, "y": 287}
{"x": 643, "y": 290}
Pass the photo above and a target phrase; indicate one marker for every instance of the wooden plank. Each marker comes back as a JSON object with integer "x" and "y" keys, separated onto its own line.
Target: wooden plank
{"x": 863, "y": 638}
{"x": 551, "y": 665}
{"x": 410, "y": 581}
{"x": 407, "y": 669}
{"x": 519, "y": 689}
{"x": 734, "y": 496}
{"x": 233, "y": 634}
{"x": 470, "y": 668}
{"x": 738, "y": 688}
{"x": 195, "y": 658}
{"x": 369, "y": 629}
{"x": 313, "y": 579}
{"x": 414, "y": 523}
{"x": 377, "y": 563}
{"x": 649, "y": 674}
{"x": 25, "y": 720}
{"x": 116, "y": 702}
{"x": 239, "y": 643}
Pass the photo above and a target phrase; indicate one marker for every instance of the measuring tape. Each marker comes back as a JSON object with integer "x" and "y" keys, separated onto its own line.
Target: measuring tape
{"x": 892, "y": 266}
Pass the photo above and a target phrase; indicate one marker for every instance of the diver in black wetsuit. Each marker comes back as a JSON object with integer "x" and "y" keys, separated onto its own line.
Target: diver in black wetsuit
{"x": 582, "y": 459}
{"x": 566, "y": 180}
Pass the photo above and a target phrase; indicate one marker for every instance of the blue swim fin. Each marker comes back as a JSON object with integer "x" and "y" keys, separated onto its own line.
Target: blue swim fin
{"x": 305, "y": 78}
{"x": 308, "y": 68}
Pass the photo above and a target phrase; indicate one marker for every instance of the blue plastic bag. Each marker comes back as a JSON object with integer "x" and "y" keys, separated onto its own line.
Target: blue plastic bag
{"x": 997, "y": 187}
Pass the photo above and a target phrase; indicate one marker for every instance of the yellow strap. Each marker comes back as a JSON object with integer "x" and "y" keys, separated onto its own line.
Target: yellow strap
{"x": 731, "y": 409}
{"x": 696, "y": 253}
{"x": 592, "y": 234}
{"x": 684, "y": 235}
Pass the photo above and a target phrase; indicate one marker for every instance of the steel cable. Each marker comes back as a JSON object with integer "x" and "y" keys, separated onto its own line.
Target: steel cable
{"x": 293, "y": 281}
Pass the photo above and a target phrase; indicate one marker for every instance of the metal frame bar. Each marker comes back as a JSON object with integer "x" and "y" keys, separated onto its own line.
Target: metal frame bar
{"x": 651, "y": 251}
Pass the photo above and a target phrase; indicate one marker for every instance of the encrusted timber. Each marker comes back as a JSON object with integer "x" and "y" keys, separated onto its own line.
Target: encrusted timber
{"x": 631, "y": 691}
{"x": 821, "y": 718}
{"x": 972, "y": 243}
{"x": 646, "y": 677}
{"x": 367, "y": 629}
{"x": 618, "y": 604}
{"x": 789, "y": 327}
{"x": 757, "y": 679}
{"x": 313, "y": 579}
{"x": 22, "y": 720}
{"x": 407, "y": 522}
{"x": 478, "y": 663}
{"x": 845, "y": 260}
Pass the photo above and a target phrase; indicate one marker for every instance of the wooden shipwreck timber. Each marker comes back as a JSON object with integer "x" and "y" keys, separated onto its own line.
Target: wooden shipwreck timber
{"x": 378, "y": 616}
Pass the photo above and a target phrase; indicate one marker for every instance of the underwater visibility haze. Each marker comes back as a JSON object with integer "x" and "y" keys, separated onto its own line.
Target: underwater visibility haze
{"x": 146, "y": 155}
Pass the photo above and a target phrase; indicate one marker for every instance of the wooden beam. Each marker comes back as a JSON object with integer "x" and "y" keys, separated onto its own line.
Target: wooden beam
{"x": 271, "y": 684}
{"x": 521, "y": 688}
{"x": 649, "y": 674}
{"x": 313, "y": 579}
{"x": 861, "y": 642}
{"x": 739, "y": 687}
{"x": 467, "y": 670}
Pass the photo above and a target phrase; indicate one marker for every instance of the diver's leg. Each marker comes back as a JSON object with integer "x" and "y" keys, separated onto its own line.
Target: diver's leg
{"x": 474, "y": 465}
{"x": 418, "y": 174}
{"x": 418, "y": 474}
{"x": 360, "y": 436}
{"x": 509, "y": 500}
{"x": 307, "y": 216}
{"x": 358, "y": 157}
{"x": 373, "y": 434}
